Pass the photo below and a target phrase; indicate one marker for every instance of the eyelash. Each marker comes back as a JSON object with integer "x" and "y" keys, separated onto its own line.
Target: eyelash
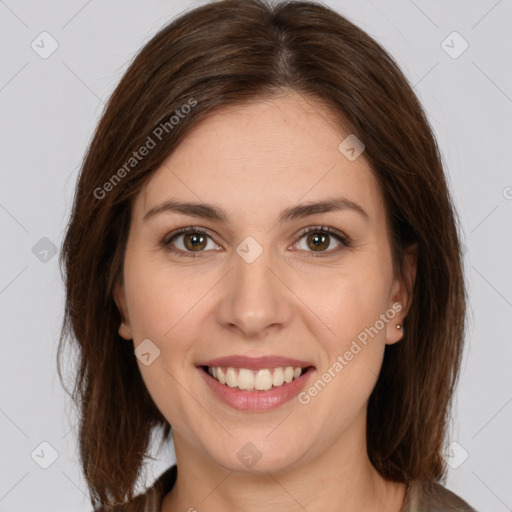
{"x": 166, "y": 241}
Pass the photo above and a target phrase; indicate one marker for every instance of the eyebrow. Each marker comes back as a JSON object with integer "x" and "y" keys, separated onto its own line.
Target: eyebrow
{"x": 210, "y": 211}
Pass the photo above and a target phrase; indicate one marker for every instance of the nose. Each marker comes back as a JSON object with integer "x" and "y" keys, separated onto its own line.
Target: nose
{"x": 254, "y": 299}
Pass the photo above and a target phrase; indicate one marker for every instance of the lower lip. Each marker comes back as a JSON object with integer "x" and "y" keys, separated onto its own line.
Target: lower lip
{"x": 256, "y": 400}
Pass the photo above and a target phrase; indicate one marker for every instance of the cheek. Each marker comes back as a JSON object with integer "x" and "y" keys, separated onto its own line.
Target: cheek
{"x": 348, "y": 302}
{"x": 159, "y": 301}
{"x": 351, "y": 305}
{"x": 163, "y": 308}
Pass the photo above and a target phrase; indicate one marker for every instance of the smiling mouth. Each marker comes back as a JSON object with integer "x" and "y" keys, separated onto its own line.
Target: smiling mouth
{"x": 264, "y": 379}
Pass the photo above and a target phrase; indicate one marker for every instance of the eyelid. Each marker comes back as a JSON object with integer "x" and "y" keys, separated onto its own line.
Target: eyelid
{"x": 183, "y": 231}
{"x": 326, "y": 229}
{"x": 168, "y": 238}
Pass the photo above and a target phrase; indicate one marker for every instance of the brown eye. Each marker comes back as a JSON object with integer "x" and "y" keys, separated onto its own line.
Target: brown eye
{"x": 194, "y": 241}
{"x": 319, "y": 238}
{"x": 318, "y": 241}
{"x": 187, "y": 241}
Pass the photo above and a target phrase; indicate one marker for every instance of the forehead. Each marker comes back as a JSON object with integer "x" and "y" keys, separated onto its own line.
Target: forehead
{"x": 262, "y": 156}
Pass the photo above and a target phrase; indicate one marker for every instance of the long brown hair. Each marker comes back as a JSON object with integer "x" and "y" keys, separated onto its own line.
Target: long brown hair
{"x": 224, "y": 53}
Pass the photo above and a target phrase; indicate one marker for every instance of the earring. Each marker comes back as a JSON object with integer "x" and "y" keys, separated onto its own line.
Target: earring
{"x": 398, "y": 326}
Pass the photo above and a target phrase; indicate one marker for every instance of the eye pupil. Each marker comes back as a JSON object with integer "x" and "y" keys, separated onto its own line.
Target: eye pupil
{"x": 194, "y": 239}
{"x": 317, "y": 236}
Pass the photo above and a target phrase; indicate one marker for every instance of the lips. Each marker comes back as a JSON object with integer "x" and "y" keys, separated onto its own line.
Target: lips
{"x": 260, "y": 394}
{"x": 255, "y": 363}
{"x": 253, "y": 400}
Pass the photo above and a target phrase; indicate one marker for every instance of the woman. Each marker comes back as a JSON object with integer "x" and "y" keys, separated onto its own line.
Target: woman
{"x": 263, "y": 255}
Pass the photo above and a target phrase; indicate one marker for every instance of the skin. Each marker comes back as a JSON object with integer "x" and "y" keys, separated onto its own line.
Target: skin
{"x": 253, "y": 162}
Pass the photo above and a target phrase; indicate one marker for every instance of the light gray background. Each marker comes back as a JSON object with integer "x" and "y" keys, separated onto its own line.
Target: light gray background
{"x": 49, "y": 110}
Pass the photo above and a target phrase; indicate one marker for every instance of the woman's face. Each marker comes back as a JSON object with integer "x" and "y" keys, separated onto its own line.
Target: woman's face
{"x": 253, "y": 285}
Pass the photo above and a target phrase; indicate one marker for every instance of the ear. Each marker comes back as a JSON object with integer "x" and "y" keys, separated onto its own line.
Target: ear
{"x": 120, "y": 300}
{"x": 402, "y": 294}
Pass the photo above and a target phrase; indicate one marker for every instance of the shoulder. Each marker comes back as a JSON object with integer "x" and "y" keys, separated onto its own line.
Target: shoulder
{"x": 433, "y": 497}
{"x": 151, "y": 499}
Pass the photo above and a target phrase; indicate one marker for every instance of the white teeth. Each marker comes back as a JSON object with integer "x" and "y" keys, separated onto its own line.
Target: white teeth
{"x": 288, "y": 374}
{"x": 245, "y": 379}
{"x": 261, "y": 380}
{"x": 231, "y": 378}
{"x": 278, "y": 377}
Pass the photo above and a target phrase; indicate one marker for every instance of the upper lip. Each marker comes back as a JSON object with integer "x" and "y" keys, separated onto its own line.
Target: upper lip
{"x": 255, "y": 363}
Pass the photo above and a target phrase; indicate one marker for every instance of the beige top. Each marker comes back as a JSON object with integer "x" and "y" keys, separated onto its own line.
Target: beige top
{"x": 419, "y": 498}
